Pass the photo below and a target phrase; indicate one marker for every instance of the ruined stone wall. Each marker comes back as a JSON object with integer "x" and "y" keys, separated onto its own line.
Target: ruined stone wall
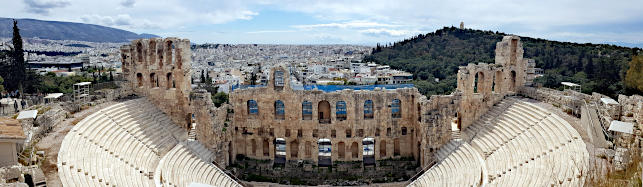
{"x": 160, "y": 70}
{"x": 631, "y": 108}
{"x": 254, "y": 133}
{"x": 212, "y": 128}
{"x": 482, "y": 85}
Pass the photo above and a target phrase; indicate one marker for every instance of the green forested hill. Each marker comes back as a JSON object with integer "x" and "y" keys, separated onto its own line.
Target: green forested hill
{"x": 597, "y": 67}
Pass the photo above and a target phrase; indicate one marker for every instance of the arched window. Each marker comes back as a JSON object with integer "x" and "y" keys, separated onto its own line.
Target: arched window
{"x": 368, "y": 109}
{"x": 153, "y": 81}
{"x": 253, "y": 109}
{"x": 169, "y": 81}
{"x": 168, "y": 50}
{"x": 139, "y": 51}
{"x": 306, "y": 110}
{"x": 280, "y": 113}
{"x": 152, "y": 52}
{"x": 396, "y": 111}
{"x": 323, "y": 110}
{"x": 479, "y": 83}
{"x": 513, "y": 81}
{"x": 340, "y": 110}
{"x": 159, "y": 53}
{"x": 475, "y": 84}
{"x": 139, "y": 79}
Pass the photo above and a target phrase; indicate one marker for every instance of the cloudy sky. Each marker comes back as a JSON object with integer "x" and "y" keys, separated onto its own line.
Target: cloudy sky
{"x": 345, "y": 22}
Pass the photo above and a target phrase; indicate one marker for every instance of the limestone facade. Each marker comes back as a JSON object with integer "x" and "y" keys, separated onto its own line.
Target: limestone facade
{"x": 302, "y": 117}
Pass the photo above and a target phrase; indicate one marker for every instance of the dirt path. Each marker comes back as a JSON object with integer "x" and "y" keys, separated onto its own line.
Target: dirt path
{"x": 52, "y": 141}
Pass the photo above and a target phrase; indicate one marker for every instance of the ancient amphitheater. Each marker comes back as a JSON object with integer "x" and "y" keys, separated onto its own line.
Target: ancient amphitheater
{"x": 134, "y": 144}
{"x": 482, "y": 134}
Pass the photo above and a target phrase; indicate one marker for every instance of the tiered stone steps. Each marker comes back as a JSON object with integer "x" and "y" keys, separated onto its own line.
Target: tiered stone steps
{"x": 181, "y": 167}
{"x": 521, "y": 145}
{"x": 462, "y": 168}
{"x": 120, "y": 145}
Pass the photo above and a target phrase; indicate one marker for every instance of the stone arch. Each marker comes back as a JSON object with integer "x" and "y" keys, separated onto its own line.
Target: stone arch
{"x": 396, "y": 108}
{"x": 152, "y": 51}
{"x": 266, "y": 147}
{"x": 341, "y": 150}
{"x": 153, "y": 80}
{"x": 294, "y": 149}
{"x": 479, "y": 83}
{"x": 340, "y": 110}
{"x": 169, "y": 48}
{"x": 280, "y": 112}
{"x": 382, "y": 148}
{"x": 252, "y": 107}
{"x": 139, "y": 79}
{"x": 368, "y": 109}
{"x": 139, "y": 51}
{"x": 169, "y": 81}
{"x": 323, "y": 108}
{"x": 159, "y": 54}
{"x": 512, "y": 85}
{"x": 354, "y": 150}
{"x": 306, "y": 110}
{"x": 396, "y": 147}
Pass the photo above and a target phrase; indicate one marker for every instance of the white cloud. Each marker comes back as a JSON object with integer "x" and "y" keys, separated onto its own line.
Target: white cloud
{"x": 389, "y": 32}
{"x": 43, "y": 7}
{"x": 128, "y": 3}
{"x": 270, "y": 31}
{"x": 343, "y": 25}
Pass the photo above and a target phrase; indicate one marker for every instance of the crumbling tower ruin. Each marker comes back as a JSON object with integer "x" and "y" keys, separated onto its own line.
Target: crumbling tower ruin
{"x": 160, "y": 70}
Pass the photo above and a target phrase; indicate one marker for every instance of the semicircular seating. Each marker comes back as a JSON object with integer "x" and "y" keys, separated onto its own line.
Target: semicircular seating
{"x": 122, "y": 145}
{"x": 520, "y": 144}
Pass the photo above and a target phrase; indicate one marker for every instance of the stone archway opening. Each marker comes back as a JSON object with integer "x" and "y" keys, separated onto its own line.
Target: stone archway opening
{"x": 323, "y": 110}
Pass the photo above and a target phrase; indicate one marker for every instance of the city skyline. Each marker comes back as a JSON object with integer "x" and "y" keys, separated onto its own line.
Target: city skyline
{"x": 337, "y": 22}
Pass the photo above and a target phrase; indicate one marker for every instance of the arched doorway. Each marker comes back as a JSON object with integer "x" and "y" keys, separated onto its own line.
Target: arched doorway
{"x": 266, "y": 147}
{"x": 294, "y": 149}
{"x": 513, "y": 81}
{"x": 396, "y": 147}
{"x": 341, "y": 151}
{"x": 323, "y": 110}
{"x": 383, "y": 149}
{"x": 354, "y": 150}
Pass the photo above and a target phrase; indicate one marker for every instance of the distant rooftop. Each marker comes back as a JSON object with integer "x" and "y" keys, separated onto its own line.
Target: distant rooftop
{"x": 10, "y": 129}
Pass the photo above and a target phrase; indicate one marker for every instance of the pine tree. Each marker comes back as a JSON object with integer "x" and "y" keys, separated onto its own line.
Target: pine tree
{"x": 18, "y": 71}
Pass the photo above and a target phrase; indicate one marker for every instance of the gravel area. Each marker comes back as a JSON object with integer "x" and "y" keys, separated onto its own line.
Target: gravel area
{"x": 52, "y": 141}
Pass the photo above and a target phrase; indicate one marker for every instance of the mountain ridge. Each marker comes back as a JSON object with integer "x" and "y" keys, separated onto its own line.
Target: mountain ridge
{"x": 61, "y": 30}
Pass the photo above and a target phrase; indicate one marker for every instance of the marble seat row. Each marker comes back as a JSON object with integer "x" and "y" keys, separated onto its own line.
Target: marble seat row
{"x": 519, "y": 144}
{"x": 181, "y": 167}
{"x": 119, "y": 145}
{"x": 462, "y": 168}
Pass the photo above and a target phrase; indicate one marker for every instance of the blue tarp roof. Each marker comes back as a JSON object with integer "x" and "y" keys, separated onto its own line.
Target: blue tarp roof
{"x": 333, "y": 88}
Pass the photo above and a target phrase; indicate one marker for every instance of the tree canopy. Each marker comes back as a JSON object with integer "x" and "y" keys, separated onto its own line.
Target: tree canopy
{"x": 597, "y": 67}
{"x": 634, "y": 75}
